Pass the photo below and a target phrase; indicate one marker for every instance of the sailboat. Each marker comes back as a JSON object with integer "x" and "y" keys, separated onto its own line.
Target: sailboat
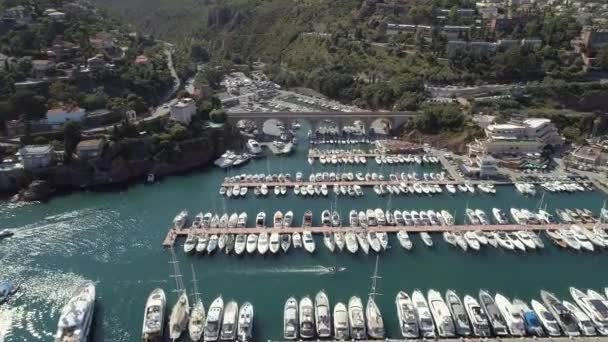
{"x": 181, "y": 310}
{"x": 375, "y": 323}
{"x": 197, "y": 316}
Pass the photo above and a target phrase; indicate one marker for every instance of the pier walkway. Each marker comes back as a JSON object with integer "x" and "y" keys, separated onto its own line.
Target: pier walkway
{"x": 291, "y": 184}
{"x": 173, "y": 234}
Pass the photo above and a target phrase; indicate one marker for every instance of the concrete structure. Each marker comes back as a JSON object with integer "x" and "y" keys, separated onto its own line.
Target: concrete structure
{"x": 60, "y": 115}
{"x": 489, "y": 48}
{"x": 41, "y": 66}
{"x": 36, "y": 156}
{"x": 592, "y": 155}
{"x": 483, "y": 121}
{"x": 89, "y": 149}
{"x": 516, "y": 138}
{"x": 593, "y": 38}
{"x": 317, "y": 119}
{"x": 183, "y": 110}
{"x": 487, "y": 167}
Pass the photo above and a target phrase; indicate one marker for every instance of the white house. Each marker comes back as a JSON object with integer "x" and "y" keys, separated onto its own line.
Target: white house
{"x": 60, "y": 115}
{"x": 36, "y": 156}
{"x": 183, "y": 110}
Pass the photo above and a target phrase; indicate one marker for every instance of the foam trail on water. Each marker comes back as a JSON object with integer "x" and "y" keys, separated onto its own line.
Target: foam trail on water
{"x": 317, "y": 269}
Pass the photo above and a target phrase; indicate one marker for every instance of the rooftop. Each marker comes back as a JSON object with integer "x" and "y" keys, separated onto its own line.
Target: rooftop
{"x": 36, "y": 149}
{"x": 63, "y": 110}
{"x": 90, "y": 144}
{"x": 536, "y": 122}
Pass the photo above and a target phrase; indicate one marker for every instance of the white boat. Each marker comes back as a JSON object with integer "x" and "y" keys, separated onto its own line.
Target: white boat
{"x": 229, "y": 322}
{"x": 451, "y": 188}
{"x": 569, "y": 238}
{"x": 212, "y": 244}
{"x": 278, "y": 220}
{"x": 408, "y": 323}
{"x": 308, "y": 241}
{"x": 76, "y": 316}
{"x": 322, "y": 315}
{"x": 339, "y": 240}
{"x": 497, "y": 321}
{"x": 516, "y": 241}
{"x": 285, "y": 242}
{"x": 253, "y": 146}
{"x": 596, "y": 307}
{"x": 190, "y": 243}
{"x": 180, "y": 219}
{"x": 245, "y": 323}
{"x": 504, "y": 241}
{"x": 328, "y": 241}
{"x": 447, "y": 217}
{"x": 252, "y": 243}
{"x": 351, "y": 242}
{"x": 232, "y": 221}
{"x": 472, "y": 241}
{"x": 260, "y": 220}
{"x": 531, "y": 321}
{"x": 514, "y": 318}
{"x": 441, "y": 315}
{"x": 242, "y": 220}
{"x": 585, "y": 324}
{"x": 547, "y": 319}
{"x": 525, "y": 239}
{"x": 374, "y": 242}
{"x": 449, "y": 238}
{"x": 197, "y": 320}
{"x": 307, "y": 324}
{"x": 296, "y": 238}
{"x": 425, "y": 320}
{"x": 478, "y": 318}
{"x": 565, "y": 318}
{"x": 263, "y": 243}
{"x": 214, "y": 320}
{"x": 341, "y": 326}
{"x": 404, "y": 240}
{"x": 459, "y": 314}
{"x": 178, "y": 321}
{"x": 291, "y": 324}
{"x": 154, "y": 316}
{"x": 274, "y": 243}
{"x": 426, "y": 238}
{"x": 240, "y": 243}
{"x": 356, "y": 319}
{"x": 363, "y": 242}
{"x": 582, "y": 238}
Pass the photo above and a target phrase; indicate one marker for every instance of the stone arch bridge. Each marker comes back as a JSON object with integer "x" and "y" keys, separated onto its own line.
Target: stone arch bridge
{"x": 340, "y": 119}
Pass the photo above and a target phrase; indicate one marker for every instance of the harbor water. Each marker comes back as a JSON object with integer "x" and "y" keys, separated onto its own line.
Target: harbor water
{"x": 114, "y": 238}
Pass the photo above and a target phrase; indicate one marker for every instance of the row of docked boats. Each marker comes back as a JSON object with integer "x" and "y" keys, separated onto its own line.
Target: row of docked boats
{"x": 579, "y": 238}
{"x": 558, "y": 186}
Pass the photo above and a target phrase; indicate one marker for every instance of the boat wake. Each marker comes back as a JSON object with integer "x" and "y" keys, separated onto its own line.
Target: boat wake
{"x": 316, "y": 270}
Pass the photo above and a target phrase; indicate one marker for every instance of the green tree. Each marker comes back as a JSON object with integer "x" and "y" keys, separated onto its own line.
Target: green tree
{"x": 218, "y": 116}
{"x": 62, "y": 92}
{"x": 28, "y": 103}
{"x": 71, "y": 138}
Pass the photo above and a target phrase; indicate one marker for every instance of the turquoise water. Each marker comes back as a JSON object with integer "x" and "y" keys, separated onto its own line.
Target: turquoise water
{"x": 115, "y": 239}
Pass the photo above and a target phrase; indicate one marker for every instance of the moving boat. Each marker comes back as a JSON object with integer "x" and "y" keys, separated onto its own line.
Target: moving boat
{"x": 408, "y": 324}
{"x": 309, "y": 242}
{"x": 245, "y": 323}
{"x": 459, "y": 313}
{"x": 214, "y": 320}
{"x": 497, "y": 321}
{"x": 441, "y": 315}
{"x": 322, "y": 315}
{"x": 479, "y": 319}
{"x": 341, "y": 326}
{"x": 290, "y": 319}
{"x": 565, "y": 318}
{"x": 307, "y": 324}
{"x": 76, "y": 316}
{"x": 154, "y": 316}
{"x": 547, "y": 319}
{"x": 356, "y": 318}
{"x": 531, "y": 321}
{"x": 229, "y": 322}
{"x": 425, "y": 320}
{"x": 375, "y": 323}
{"x": 513, "y": 317}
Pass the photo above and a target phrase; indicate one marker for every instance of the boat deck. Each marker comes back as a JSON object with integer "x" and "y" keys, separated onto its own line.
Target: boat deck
{"x": 173, "y": 234}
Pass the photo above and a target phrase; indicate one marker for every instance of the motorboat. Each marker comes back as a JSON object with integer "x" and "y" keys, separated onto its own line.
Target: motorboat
{"x": 263, "y": 243}
{"x": 326, "y": 218}
{"x": 404, "y": 240}
{"x": 230, "y": 322}
{"x": 547, "y": 319}
{"x": 383, "y": 238}
{"x": 154, "y": 316}
{"x": 212, "y": 244}
{"x": 408, "y": 323}
{"x": 513, "y": 317}
{"x": 245, "y": 323}
{"x": 497, "y": 321}
{"x": 426, "y": 238}
{"x": 447, "y": 217}
{"x": 353, "y": 218}
{"x": 351, "y": 242}
{"x": 525, "y": 239}
{"x": 178, "y": 321}
{"x": 459, "y": 314}
{"x": 565, "y": 318}
{"x": 374, "y": 242}
{"x": 472, "y": 241}
{"x": 339, "y": 240}
{"x": 341, "y": 326}
{"x": 190, "y": 244}
{"x": 479, "y": 319}
{"x": 516, "y": 241}
{"x": 328, "y": 241}
{"x": 569, "y": 238}
{"x": 504, "y": 241}
{"x": 441, "y": 315}
{"x": 460, "y": 241}
{"x": 307, "y": 324}
{"x": 253, "y": 146}
{"x": 213, "y": 323}
{"x": 297, "y": 240}
{"x": 596, "y": 307}
{"x": 584, "y": 323}
{"x": 499, "y": 216}
{"x": 308, "y": 241}
{"x": 232, "y": 221}
{"x": 307, "y": 219}
{"x": 291, "y": 323}
{"x": 77, "y": 314}
{"x": 579, "y": 235}
{"x": 274, "y": 243}
{"x": 240, "y": 243}
{"x": 252, "y": 243}
{"x": 426, "y": 326}
{"x": 180, "y": 219}
{"x": 531, "y": 321}
{"x": 197, "y": 320}
{"x": 260, "y": 220}
{"x": 363, "y": 242}
{"x": 322, "y": 315}
{"x": 356, "y": 319}
{"x": 285, "y": 240}
{"x": 449, "y": 238}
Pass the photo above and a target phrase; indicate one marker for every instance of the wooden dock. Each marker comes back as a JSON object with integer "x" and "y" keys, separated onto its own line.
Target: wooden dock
{"x": 173, "y": 234}
{"x": 330, "y": 184}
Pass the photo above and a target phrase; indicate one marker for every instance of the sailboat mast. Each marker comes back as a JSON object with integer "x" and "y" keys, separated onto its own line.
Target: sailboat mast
{"x": 194, "y": 284}
{"x": 375, "y": 278}
{"x": 179, "y": 284}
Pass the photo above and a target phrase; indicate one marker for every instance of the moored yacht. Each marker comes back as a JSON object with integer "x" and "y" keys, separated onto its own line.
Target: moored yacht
{"x": 514, "y": 318}
{"x": 583, "y": 321}
{"x": 565, "y": 318}
{"x": 307, "y": 324}
{"x": 425, "y": 320}
{"x": 497, "y": 321}
{"x": 478, "y": 318}
{"x": 291, "y": 324}
{"x": 356, "y": 318}
{"x": 229, "y": 322}
{"x": 76, "y": 316}
{"x": 245, "y": 323}
{"x": 322, "y": 315}
{"x": 547, "y": 319}
{"x": 341, "y": 326}
{"x": 408, "y": 324}
{"x": 441, "y": 315}
{"x": 154, "y": 316}
{"x": 531, "y": 320}
{"x": 178, "y": 321}
{"x": 213, "y": 322}
{"x": 459, "y": 314}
